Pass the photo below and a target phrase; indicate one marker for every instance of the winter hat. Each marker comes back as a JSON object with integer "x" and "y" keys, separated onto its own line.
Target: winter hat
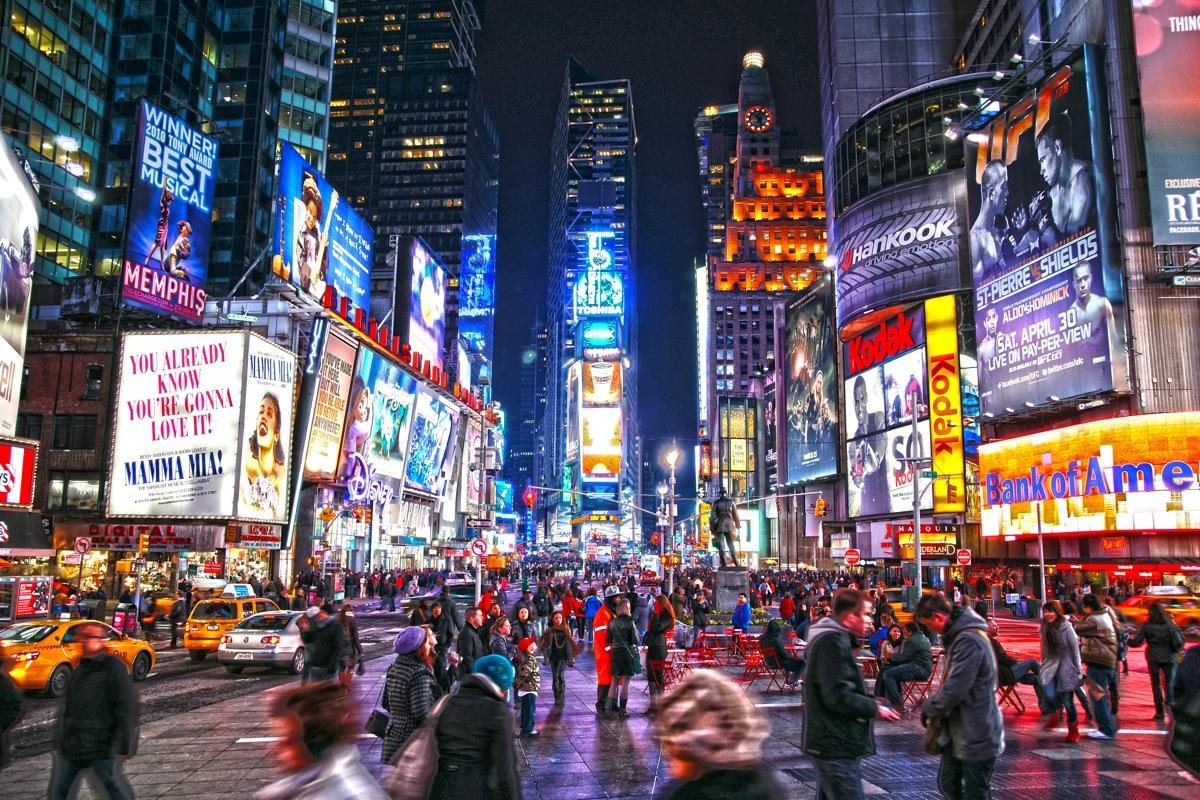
{"x": 409, "y": 640}
{"x": 498, "y": 669}
{"x": 613, "y": 591}
{"x": 709, "y": 720}
{"x": 526, "y": 643}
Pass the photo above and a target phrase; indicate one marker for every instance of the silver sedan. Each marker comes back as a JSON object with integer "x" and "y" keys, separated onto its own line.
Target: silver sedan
{"x": 270, "y": 639}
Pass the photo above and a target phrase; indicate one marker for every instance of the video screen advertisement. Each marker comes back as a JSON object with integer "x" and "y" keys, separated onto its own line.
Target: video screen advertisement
{"x": 477, "y": 292}
{"x": 902, "y": 244}
{"x": 1139, "y": 474}
{"x": 426, "y": 287}
{"x": 319, "y": 239}
{"x": 378, "y": 416}
{"x": 1049, "y": 294}
{"x": 431, "y": 449}
{"x": 18, "y": 234}
{"x": 886, "y": 384}
{"x": 770, "y": 431}
{"x": 1167, "y": 37}
{"x": 335, "y": 374}
{"x": 169, "y": 223}
{"x": 810, "y": 388}
{"x": 187, "y": 441}
{"x": 601, "y": 444}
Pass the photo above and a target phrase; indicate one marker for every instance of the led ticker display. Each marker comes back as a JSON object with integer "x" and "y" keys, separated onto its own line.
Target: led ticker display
{"x": 1048, "y": 285}
{"x": 167, "y": 232}
{"x": 1137, "y": 474}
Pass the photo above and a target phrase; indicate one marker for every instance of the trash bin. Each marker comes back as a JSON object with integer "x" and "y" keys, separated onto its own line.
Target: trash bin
{"x": 125, "y": 617}
{"x": 1022, "y": 610}
{"x": 1031, "y": 605}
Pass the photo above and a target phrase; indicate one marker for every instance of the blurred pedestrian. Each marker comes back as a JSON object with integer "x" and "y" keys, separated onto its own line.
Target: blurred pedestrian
{"x": 475, "y": 743}
{"x": 315, "y": 748}
{"x": 1098, "y": 649}
{"x": 711, "y": 735}
{"x": 973, "y": 735}
{"x": 527, "y": 683}
{"x": 176, "y": 617}
{"x": 441, "y": 625}
{"x": 560, "y": 650}
{"x": 325, "y": 642}
{"x": 409, "y": 688}
{"x": 353, "y": 658}
{"x": 97, "y": 725}
{"x": 11, "y": 701}
{"x": 624, "y": 658}
{"x": 1061, "y": 672}
{"x": 838, "y": 712}
{"x": 1163, "y": 641}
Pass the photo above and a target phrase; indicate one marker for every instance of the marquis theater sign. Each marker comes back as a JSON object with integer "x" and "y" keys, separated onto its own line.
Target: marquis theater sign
{"x": 1136, "y": 474}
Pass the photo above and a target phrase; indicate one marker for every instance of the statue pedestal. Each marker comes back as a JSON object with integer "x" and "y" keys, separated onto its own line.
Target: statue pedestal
{"x": 729, "y": 582}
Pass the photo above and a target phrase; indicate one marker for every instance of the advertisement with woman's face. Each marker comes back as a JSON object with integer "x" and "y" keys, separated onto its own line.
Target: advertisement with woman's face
{"x": 379, "y": 415}
{"x": 267, "y": 430}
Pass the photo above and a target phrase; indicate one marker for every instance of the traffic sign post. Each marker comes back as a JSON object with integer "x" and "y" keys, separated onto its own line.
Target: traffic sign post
{"x": 964, "y": 557}
{"x": 852, "y": 557}
{"x": 82, "y": 545}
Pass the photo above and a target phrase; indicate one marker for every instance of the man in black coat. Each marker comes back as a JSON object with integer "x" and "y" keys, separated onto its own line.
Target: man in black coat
{"x": 470, "y": 644}
{"x": 98, "y": 723}
{"x": 838, "y": 712}
{"x": 326, "y": 642}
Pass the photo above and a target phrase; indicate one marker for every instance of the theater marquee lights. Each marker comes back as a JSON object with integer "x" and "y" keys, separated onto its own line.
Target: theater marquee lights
{"x": 1138, "y": 474}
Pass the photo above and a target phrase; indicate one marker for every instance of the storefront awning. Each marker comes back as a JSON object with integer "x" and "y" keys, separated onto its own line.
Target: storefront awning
{"x": 22, "y": 534}
{"x": 1135, "y": 568}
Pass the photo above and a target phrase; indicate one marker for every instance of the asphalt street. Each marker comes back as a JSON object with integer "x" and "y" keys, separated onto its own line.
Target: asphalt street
{"x": 178, "y": 684}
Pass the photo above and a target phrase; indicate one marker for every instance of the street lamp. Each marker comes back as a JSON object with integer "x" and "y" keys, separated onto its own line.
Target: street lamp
{"x": 672, "y": 458}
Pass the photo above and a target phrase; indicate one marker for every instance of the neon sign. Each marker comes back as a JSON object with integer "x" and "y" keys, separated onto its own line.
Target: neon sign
{"x": 362, "y": 486}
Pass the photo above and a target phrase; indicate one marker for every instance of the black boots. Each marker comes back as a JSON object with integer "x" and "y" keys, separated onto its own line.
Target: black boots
{"x": 621, "y": 712}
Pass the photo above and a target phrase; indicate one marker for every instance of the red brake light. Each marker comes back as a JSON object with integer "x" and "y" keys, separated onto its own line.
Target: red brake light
{"x": 270, "y": 640}
{"x": 226, "y": 639}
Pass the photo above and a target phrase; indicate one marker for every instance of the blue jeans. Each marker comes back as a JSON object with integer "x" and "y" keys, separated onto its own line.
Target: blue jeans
{"x": 528, "y": 712}
{"x": 965, "y": 780}
{"x": 1106, "y": 678}
{"x": 890, "y": 679}
{"x": 108, "y": 771}
{"x": 838, "y": 778}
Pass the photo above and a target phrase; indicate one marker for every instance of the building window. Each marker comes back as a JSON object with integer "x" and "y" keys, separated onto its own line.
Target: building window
{"x": 74, "y": 432}
{"x": 74, "y": 491}
{"x": 29, "y": 426}
{"x": 92, "y": 380}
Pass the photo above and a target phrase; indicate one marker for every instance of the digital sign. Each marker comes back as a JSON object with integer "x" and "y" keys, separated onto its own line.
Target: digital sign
{"x": 1136, "y": 474}
{"x": 1049, "y": 291}
{"x": 378, "y": 415}
{"x": 574, "y": 390}
{"x": 601, "y": 383}
{"x": 601, "y": 444}
{"x": 334, "y": 376}
{"x": 598, "y": 333}
{"x": 168, "y": 229}
{"x": 319, "y": 239}
{"x": 430, "y": 452}
{"x": 599, "y": 293}
{"x": 477, "y": 292}
{"x": 18, "y": 234}
{"x": 945, "y": 397}
{"x": 1167, "y": 35}
{"x": 427, "y": 304}
{"x": 18, "y": 472}
{"x": 810, "y": 389}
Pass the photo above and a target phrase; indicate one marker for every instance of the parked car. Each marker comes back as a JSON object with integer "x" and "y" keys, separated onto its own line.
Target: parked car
{"x": 46, "y": 651}
{"x": 269, "y": 639}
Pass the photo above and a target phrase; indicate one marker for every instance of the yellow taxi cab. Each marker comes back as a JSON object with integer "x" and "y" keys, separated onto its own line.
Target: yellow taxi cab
{"x": 1184, "y": 609}
{"x": 45, "y": 652}
{"x": 894, "y": 595}
{"x": 159, "y": 608}
{"x": 211, "y": 619}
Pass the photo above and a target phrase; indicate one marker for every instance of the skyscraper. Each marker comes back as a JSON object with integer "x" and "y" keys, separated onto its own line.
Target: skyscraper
{"x": 591, "y": 420}
{"x": 413, "y": 147}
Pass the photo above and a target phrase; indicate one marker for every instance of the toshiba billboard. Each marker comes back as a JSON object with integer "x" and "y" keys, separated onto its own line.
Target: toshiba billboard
{"x": 902, "y": 244}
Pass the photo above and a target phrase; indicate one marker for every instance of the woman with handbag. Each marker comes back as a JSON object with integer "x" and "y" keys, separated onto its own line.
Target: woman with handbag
{"x": 623, "y": 650}
{"x": 1061, "y": 672}
{"x": 1163, "y": 641}
{"x": 409, "y": 688}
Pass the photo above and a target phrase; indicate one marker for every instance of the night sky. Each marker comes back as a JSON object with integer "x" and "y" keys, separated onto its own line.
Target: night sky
{"x": 680, "y": 55}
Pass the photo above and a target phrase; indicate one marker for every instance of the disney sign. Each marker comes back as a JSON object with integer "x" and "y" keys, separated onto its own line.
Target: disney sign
{"x": 363, "y": 486}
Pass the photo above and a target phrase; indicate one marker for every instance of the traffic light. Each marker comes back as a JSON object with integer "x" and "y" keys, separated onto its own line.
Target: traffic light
{"x": 821, "y": 507}
{"x": 530, "y": 497}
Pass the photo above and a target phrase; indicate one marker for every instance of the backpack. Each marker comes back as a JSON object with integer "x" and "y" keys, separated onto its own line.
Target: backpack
{"x": 416, "y": 763}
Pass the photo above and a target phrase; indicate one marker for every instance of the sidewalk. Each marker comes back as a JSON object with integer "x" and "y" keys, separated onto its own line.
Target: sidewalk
{"x": 225, "y": 749}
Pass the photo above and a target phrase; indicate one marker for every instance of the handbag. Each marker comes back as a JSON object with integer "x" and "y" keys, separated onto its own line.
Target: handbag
{"x": 1094, "y": 690}
{"x": 933, "y": 735}
{"x": 378, "y": 719}
{"x": 416, "y": 763}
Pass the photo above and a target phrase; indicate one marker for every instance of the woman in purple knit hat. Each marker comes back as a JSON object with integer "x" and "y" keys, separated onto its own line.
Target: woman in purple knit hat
{"x": 409, "y": 688}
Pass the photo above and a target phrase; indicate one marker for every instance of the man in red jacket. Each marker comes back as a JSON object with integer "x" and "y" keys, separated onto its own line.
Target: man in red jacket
{"x": 600, "y": 647}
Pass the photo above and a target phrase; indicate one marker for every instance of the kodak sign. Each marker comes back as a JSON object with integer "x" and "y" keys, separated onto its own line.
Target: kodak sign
{"x": 945, "y": 404}
{"x": 893, "y": 336}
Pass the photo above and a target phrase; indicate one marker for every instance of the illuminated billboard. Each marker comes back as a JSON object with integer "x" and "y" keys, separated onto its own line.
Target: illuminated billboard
{"x": 901, "y": 244}
{"x": 426, "y": 303}
{"x": 599, "y": 293}
{"x": 598, "y": 333}
{"x": 1137, "y": 474}
{"x": 1167, "y": 33}
{"x": 18, "y": 472}
{"x": 601, "y": 383}
{"x": 1049, "y": 295}
{"x": 18, "y": 234}
{"x": 810, "y": 386}
{"x": 188, "y": 441}
{"x": 770, "y": 429}
{"x": 334, "y": 376}
{"x": 319, "y": 239}
{"x": 601, "y": 444}
{"x": 477, "y": 292}
{"x": 378, "y": 416}
{"x": 169, "y": 223}
{"x": 945, "y": 400}
{"x": 430, "y": 451}
{"x": 574, "y": 388}
{"x": 470, "y": 478}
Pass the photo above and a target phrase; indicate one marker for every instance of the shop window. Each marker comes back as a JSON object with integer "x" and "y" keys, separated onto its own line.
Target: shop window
{"x": 29, "y": 426}
{"x": 92, "y": 380}
{"x": 73, "y": 491}
{"x": 74, "y": 432}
